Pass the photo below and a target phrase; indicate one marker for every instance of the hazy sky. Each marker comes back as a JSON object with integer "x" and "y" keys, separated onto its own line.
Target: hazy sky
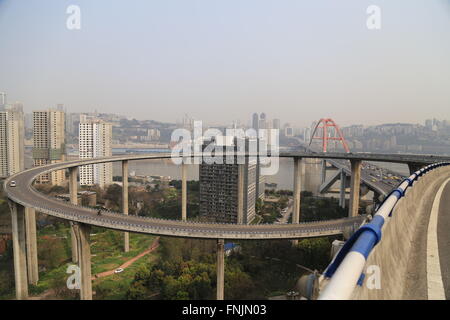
{"x": 220, "y": 60}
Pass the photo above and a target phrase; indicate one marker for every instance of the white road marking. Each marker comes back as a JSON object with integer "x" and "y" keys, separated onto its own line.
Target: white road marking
{"x": 434, "y": 276}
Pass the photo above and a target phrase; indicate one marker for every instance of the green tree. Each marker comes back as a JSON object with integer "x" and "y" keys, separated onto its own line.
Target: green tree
{"x": 51, "y": 252}
{"x": 114, "y": 195}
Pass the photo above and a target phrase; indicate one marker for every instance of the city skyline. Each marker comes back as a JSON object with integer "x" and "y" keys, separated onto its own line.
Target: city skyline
{"x": 247, "y": 121}
{"x": 305, "y": 60}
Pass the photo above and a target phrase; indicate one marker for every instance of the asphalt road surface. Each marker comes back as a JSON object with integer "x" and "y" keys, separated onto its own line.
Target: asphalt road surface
{"x": 443, "y": 234}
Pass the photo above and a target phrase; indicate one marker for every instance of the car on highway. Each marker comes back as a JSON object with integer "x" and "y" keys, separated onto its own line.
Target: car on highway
{"x": 118, "y": 270}
{"x": 12, "y": 184}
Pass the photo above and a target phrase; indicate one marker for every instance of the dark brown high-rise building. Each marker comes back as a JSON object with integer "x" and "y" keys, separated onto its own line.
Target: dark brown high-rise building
{"x": 220, "y": 186}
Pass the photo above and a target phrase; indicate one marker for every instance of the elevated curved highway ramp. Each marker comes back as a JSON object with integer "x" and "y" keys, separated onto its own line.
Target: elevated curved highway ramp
{"x": 24, "y": 194}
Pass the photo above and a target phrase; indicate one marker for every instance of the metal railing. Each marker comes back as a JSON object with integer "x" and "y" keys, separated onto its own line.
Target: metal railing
{"x": 345, "y": 272}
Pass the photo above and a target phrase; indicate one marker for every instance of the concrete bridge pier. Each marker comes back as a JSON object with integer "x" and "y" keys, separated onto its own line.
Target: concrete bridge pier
{"x": 82, "y": 233}
{"x": 19, "y": 249}
{"x": 342, "y": 189}
{"x": 220, "y": 268}
{"x": 355, "y": 187}
{"x": 126, "y": 243}
{"x": 73, "y": 191}
{"x": 323, "y": 173}
{"x": 31, "y": 245}
{"x": 413, "y": 167}
{"x": 298, "y": 165}
{"x": 183, "y": 191}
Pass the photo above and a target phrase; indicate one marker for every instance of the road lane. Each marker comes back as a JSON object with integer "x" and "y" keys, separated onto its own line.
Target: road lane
{"x": 443, "y": 235}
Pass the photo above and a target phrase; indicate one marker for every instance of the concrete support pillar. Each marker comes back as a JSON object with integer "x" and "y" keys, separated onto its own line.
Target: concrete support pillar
{"x": 126, "y": 244}
{"x": 303, "y": 171}
{"x": 19, "y": 250}
{"x": 297, "y": 189}
{"x": 240, "y": 206}
{"x": 413, "y": 167}
{"x": 220, "y": 268}
{"x": 82, "y": 232}
{"x": 73, "y": 185}
{"x": 73, "y": 191}
{"x": 323, "y": 174}
{"x": 183, "y": 192}
{"x": 354, "y": 187}
{"x": 342, "y": 190}
{"x": 32, "y": 258}
{"x": 298, "y": 164}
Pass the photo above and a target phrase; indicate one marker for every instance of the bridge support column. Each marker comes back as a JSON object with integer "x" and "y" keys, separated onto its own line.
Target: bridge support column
{"x": 126, "y": 244}
{"x": 323, "y": 174}
{"x": 240, "y": 206}
{"x": 19, "y": 249}
{"x": 183, "y": 191}
{"x": 220, "y": 268}
{"x": 298, "y": 164}
{"x": 355, "y": 187}
{"x": 413, "y": 167}
{"x": 32, "y": 259}
{"x": 342, "y": 190}
{"x": 82, "y": 232}
{"x": 297, "y": 189}
{"x": 73, "y": 191}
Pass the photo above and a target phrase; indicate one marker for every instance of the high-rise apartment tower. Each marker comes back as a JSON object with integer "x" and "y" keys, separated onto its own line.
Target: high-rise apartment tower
{"x": 11, "y": 141}
{"x": 49, "y": 143}
{"x": 95, "y": 138}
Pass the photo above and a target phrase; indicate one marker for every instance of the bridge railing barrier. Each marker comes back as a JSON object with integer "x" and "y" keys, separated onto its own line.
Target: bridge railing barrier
{"x": 345, "y": 272}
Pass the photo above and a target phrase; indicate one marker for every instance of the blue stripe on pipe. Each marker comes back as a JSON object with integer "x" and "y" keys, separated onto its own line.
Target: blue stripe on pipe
{"x": 368, "y": 240}
{"x": 365, "y": 243}
{"x": 410, "y": 181}
{"x": 373, "y": 229}
{"x": 361, "y": 279}
{"x": 400, "y": 193}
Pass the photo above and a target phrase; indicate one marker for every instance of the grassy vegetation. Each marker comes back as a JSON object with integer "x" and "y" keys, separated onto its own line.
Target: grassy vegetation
{"x": 115, "y": 287}
{"x": 107, "y": 249}
{"x": 53, "y": 279}
{"x": 107, "y": 254}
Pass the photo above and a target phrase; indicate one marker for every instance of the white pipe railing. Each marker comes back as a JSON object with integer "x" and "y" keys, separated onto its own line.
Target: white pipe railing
{"x": 345, "y": 272}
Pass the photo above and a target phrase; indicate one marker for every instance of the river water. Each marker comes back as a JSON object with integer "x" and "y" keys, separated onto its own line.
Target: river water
{"x": 283, "y": 178}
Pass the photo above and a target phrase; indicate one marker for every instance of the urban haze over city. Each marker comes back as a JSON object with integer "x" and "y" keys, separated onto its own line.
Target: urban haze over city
{"x": 224, "y": 150}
